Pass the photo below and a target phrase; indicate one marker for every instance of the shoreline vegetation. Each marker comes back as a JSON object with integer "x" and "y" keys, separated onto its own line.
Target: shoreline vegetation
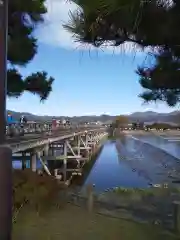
{"x": 33, "y": 190}
{"x": 136, "y": 213}
{"x": 40, "y": 211}
{"x": 73, "y": 222}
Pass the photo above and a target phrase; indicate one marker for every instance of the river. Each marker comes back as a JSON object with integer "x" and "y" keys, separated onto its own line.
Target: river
{"x": 137, "y": 161}
{"x": 108, "y": 171}
{"x": 134, "y": 161}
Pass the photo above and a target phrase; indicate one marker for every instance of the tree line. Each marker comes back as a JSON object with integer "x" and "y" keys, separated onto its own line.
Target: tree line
{"x": 163, "y": 126}
{"x": 122, "y": 121}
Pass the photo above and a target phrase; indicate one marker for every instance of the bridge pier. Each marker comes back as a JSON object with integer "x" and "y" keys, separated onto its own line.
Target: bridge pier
{"x": 33, "y": 161}
{"x": 78, "y": 145}
{"x": 61, "y": 156}
{"x": 52, "y": 149}
{"x": 23, "y": 160}
{"x": 90, "y": 144}
{"x": 46, "y": 150}
{"x": 42, "y": 162}
{"x": 65, "y": 161}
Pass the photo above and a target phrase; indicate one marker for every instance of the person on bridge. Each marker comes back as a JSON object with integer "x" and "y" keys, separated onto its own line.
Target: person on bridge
{"x": 10, "y": 125}
{"x": 23, "y": 120}
{"x": 10, "y": 120}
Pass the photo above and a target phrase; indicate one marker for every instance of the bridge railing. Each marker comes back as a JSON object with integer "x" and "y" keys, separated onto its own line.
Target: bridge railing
{"x": 31, "y": 128}
{"x": 13, "y": 130}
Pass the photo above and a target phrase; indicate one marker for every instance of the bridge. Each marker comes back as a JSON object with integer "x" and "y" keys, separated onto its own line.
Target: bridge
{"x": 63, "y": 151}
{"x": 30, "y": 127}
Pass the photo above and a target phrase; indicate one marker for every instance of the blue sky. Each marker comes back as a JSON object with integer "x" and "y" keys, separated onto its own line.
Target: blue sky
{"x": 86, "y": 82}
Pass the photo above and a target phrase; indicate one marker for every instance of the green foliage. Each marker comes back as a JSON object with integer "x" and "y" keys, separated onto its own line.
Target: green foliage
{"x": 15, "y": 83}
{"x": 151, "y": 23}
{"x": 35, "y": 83}
{"x": 161, "y": 81}
{"x": 22, "y": 20}
{"x": 24, "y": 17}
{"x": 121, "y": 121}
{"x": 119, "y": 21}
{"x": 38, "y": 191}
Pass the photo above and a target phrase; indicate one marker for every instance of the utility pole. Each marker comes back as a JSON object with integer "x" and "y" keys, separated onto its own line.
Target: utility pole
{"x": 5, "y": 152}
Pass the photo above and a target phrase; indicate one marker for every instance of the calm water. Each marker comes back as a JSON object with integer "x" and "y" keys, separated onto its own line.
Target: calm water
{"x": 135, "y": 164}
{"x": 132, "y": 162}
{"x": 108, "y": 171}
{"x": 17, "y": 164}
{"x": 170, "y": 146}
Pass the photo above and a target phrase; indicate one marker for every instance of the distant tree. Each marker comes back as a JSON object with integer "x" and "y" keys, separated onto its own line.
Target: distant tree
{"x": 24, "y": 16}
{"x": 149, "y": 23}
{"x": 134, "y": 125}
{"x": 159, "y": 125}
{"x": 121, "y": 121}
{"x": 138, "y": 125}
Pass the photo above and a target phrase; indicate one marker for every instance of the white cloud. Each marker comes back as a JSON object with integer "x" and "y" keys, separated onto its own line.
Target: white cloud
{"x": 53, "y": 33}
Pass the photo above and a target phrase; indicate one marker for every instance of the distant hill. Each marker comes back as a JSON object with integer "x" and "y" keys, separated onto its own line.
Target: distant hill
{"x": 149, "y": 116}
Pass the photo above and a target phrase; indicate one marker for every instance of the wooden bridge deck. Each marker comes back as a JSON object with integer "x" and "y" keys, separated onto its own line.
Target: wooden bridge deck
{"x": 22, "y": 143}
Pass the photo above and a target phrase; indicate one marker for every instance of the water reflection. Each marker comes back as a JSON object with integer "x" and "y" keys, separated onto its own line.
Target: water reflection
{"x": 130, "y": 162}
{"x": 168, "y": 145}
{"x": 17, "y": 164}
{"x": 109, "y": 172}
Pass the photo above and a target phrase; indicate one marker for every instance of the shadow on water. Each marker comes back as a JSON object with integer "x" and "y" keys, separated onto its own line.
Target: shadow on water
{"x": 17, "y": 163}
{"x": 79, "y": 181}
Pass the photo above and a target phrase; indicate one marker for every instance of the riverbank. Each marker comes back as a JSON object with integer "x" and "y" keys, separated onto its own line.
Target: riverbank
{"x": 73, "y": 222}
{"x": 31, "y": 190}
{"x": 39, "y": 191}
{"x": 151, "y": 206}
{"x": 114, "y": 212}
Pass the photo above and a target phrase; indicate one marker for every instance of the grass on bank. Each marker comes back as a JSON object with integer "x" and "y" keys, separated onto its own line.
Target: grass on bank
{"x": 158, "y": 200}
{"x": 33, "y": 190}
{"x": 65, "y": 221}
{"x": 151, "y": 191}
{"x": 72, "y": 222}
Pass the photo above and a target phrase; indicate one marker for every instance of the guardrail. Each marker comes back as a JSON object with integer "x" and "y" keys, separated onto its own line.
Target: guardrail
{"x": 14, "y": 130}
{"x": 18, "y": 129}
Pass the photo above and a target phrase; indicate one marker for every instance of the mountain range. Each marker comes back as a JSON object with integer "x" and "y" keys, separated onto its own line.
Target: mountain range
{"x": 148, "y": 116}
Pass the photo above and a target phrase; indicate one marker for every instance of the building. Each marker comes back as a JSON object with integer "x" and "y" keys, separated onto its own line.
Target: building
{"x": 138, "y": 125}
